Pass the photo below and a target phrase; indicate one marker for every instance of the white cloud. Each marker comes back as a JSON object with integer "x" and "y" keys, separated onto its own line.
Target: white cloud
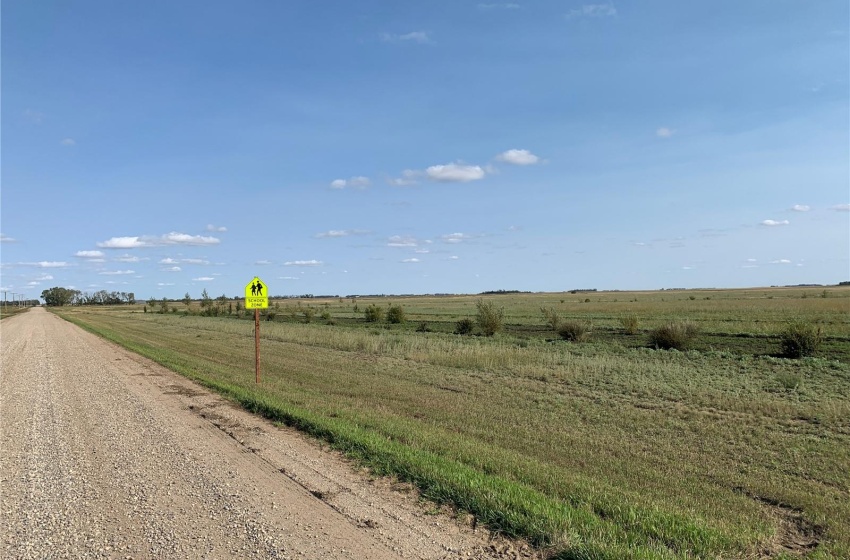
{"x": 117, "y": 272}
{"x": 33, "y": 283}
{"x": 842, "y": 207}
{"x": 455, "y": 172}
{"x": 341, "y": 233}
{"x": 752, "y": 260}
{"x": 303, "y": 263}
{"x": 420, "y": 37}
{"x": 45, "y": 277}
{"x": 455, "y": 237}
{"x": 203, "y": 279}
{"x": 173, "y": 269}
{"x": 518, "y": 157}
{"x": 165, "y": 283}
{"x": 408, "y": 177}
{"x": 220, "y": 229}
{"x": 51, "y": 264}
{"x": 687, "y": 268}
{"x": 413, "y": 260}
{"x": 288, "y": 278}
{"x": 781, "y": 261}
{"x": 503, "y": 6}
{"x": 195, "y": 261}
{"x": 173, "y": 238}
{"x": 122, "y": 243}
{"x": 6, "y": 239}
{"x": 774, "y": 223}
{"x": 334, "y": 233}
{"x": 358, "y": 182}
{"x": 422, "y": 251}
{"x": 664, "y": 132}
{"x": 89, "y": 254}
{"x": 129, "y": 259}
{"x": 454, "y": 258}
{"x": 33, "y": 116}
{"x": 801, "y": 208}
{"x": 262, "y": 263}
{"x": 169, "y": 260}
{"x": 402, "y": 241}
{"x": 594, "y": 10}
{"x": 68, "y": 142}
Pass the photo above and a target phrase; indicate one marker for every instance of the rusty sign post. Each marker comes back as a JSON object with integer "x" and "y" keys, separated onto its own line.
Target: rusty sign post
{"x": 256, "y": 298}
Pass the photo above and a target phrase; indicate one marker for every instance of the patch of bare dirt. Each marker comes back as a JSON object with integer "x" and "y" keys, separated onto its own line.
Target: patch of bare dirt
{"x": 795, "y": 535}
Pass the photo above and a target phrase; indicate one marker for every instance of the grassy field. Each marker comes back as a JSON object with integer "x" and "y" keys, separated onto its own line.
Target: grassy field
{"x": 601, "y": 449}
{"x": 11, "y": 311}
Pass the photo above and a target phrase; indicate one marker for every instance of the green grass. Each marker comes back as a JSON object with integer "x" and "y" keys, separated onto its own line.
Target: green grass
{"x": 595, "y": 450}
{"x": 7, "y": 311}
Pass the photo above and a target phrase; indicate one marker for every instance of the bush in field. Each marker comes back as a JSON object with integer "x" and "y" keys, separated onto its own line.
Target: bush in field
{"x": 490, "y": 318}
{"x": 326, "y": 315}
{"x": 675, "y": 335}
{"x": 395, "y": 314}
{"x": 800, "y": 339}
{"x": 573, "y": 331}
{"x": 552, "y": 317}
{"x": 423, "y": 327}
{"x": 308, "y": 313}
{"x": 373, "y": 314}
{"x": 464, "y": 326}
{"x": 630, "y": 323}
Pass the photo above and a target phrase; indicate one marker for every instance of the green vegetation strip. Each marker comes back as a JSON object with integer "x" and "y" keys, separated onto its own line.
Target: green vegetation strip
{"x": 619, "y": 505}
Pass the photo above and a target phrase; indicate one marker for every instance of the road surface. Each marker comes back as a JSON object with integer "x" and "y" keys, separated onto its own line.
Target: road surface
{"x": 104, "y": 454}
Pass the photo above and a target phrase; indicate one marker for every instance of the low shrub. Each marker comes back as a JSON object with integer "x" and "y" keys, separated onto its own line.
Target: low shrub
{"x": 573, "y": 331}
{"x": 800, "y": 339}
{"x": 675, "y": 335}
{"x": 464, "y": 326}
{"x": 395, "y": 314}
{"x": 630, "y": 323}
{"x": 373, "y": 314}
{"x": 551, "y": 316}
{"x": 490, "y": 318}
{"x": 308, "y": 313}
{"x": 423, "y": 327}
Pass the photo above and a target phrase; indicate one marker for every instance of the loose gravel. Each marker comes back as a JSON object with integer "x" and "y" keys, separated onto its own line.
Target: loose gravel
{"x": 104, "y": 454}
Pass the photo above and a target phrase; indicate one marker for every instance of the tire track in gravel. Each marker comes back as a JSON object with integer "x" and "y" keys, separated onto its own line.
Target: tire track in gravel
{"x": 108, "y": 455}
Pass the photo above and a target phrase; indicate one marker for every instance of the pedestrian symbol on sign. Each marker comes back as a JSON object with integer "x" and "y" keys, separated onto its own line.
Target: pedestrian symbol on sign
{"x": 256, "y": 295}
{"x": 256, "y": 288}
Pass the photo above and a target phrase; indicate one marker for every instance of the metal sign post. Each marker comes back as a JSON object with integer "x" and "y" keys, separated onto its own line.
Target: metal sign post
{"x": 256, "y": 298}
{"x": 257, "y": 345}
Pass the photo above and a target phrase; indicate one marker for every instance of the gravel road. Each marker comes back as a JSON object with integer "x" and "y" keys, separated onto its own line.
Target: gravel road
{"x": 104, "y": 454}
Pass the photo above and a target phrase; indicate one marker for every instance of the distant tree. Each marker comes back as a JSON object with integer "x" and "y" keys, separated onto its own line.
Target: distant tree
{"x": 206, "y": 303}
{"x": 187, "y": 300}
{"x": 395, "y": 314}
{"x": 373, "y": 314}
{"x": 552, "y": 317}
{"x": 59, "y": 296}
{"x": 163, "y": 305}
{"x": 220, "y": 302}
{"x": 490, "y": 318}
{"x": 151, "y": 302}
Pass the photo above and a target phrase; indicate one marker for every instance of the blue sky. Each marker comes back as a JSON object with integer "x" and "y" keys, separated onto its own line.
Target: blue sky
{"x": 164, "y": 147}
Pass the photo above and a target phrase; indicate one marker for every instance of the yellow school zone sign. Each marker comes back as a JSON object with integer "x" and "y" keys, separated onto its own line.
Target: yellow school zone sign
{"x": 256, "y": 295}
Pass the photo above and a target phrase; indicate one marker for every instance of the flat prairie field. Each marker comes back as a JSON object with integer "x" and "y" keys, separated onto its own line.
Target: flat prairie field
{"x": 604, "y": 448}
